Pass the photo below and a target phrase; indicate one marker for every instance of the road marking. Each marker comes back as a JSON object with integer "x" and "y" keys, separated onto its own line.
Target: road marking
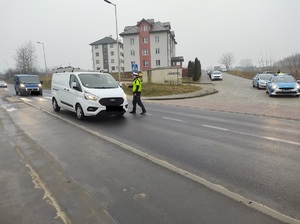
{"x": 173, "y": 119}
{"x": 215, "y": 187}
{"x": 8, "y": 107}
{"x": 237, "y": 132}
{"x": 222, "y": 129}
{"x": 268, "y": 138}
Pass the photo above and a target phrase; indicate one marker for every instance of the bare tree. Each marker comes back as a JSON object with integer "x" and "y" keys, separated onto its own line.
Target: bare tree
{"x": 246, "y": 63}
{"x": 26, "y": 58}
{"x": 227, "y": 59}
{"x": 267, "y": 62}
{"x": 291, "y": 64}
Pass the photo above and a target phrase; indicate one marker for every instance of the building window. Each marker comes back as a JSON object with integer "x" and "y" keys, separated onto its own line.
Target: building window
{"x": 112, "y": 60}
{"x": 157, "y": 62}
{"x": 97, "y": 54}
{"x": 96, "y": 46}
{"x": 112, "y": 53}
{"x": 157, "y": 51}
{"x": 98, "y": 68}
{"x": 145, "y": 52}
{"x": 104, "y": 46}
{"x": 113, "y": 68}
{"x": 97, "y": 62}
{"x": 131, "y": 41}
{"x": 111, "y": 45}
{"x": 156, "y": 39}
{"x": 144, "y": 28}
{"x": 132, "y": 53}
{"x": 145, "y": 63}
{"x": 144, "y": 40}
{"x": 133, "y": 62}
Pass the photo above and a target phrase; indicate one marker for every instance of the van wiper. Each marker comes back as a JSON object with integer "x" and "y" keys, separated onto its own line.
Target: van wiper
{"x": 104, "y": 87}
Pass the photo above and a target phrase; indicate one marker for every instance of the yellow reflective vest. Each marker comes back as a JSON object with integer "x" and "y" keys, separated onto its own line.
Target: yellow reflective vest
{"x": 137, "y": 85}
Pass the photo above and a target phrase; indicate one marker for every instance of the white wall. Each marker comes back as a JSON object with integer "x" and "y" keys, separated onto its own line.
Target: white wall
{"x": 127, "y": 51}
{"x": 172, "y": 76}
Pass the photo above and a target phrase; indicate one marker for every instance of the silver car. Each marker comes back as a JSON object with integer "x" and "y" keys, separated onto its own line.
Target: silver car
{"x": 216, "y": 75}
{"x": 260, "y": 80}
{"x": 3, "y": 84}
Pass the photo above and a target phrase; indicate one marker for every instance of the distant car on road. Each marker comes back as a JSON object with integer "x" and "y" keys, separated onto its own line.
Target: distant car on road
{"x": 260, "y": 80}
{"x": 208, "y": 72}
{"x": 3, "y": 84}
{"x": 283, "y": 85}
{"x": 26, "y": 84}
{"x": 216, "y": 75}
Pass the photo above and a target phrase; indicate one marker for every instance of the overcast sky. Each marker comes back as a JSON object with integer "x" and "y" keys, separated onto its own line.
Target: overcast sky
{"x": 249, "y": 29}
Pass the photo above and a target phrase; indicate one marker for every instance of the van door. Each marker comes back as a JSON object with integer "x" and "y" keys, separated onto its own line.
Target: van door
{"x": 73, "y": 92}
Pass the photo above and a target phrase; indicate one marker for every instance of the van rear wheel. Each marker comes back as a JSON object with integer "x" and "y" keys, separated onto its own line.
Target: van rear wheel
{"x": 79, "y": 112}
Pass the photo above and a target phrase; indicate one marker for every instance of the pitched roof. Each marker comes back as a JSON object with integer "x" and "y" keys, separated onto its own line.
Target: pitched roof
{"x": 155, "y": 27}
{"x": 105, "y": 40}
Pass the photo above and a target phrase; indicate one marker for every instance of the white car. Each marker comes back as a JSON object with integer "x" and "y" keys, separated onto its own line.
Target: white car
{"x": 3, "y": 84}
{"x": 216, "y": 75}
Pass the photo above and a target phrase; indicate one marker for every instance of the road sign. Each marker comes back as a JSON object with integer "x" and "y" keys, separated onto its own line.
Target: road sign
{"x": 134, "y": 67}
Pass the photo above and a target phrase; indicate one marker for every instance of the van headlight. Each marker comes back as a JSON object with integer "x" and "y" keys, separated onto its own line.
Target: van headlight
{"x": 40, "y": 85}
{"x": 22, "y": 85}
{"x": 89, "y": 96}
{"x": 125, "y": 97}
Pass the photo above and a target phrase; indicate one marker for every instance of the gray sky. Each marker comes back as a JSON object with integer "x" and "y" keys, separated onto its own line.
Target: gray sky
{"x": 250, "y": 29}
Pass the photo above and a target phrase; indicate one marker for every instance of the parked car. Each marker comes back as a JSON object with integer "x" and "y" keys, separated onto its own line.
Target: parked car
{"x": 284, "y": 85}
{"x": 260, "y": 80}
{"x": 3, "y": 84}
{"x": 216, "y": 75}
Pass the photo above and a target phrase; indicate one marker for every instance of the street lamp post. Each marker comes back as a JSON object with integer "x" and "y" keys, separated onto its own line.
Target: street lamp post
{"x": 44, "y": 60}
{"x": 118, "y": 47}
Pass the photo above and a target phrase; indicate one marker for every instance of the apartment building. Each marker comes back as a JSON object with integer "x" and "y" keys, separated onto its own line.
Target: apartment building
{"x": 105, "y": 55}
{"x": 150, "y": 45}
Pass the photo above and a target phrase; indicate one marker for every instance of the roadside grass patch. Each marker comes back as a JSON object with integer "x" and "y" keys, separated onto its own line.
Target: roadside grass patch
{"x": 150, "y": 89}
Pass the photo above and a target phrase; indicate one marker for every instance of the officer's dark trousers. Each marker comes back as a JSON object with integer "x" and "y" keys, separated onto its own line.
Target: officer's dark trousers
{"x": 137, "y": 100}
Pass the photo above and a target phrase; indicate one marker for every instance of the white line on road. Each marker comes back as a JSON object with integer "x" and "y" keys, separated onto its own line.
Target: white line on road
{"x": 173, "y": 119}
{"x": 237, "y": 132}
{"x": 222, "y": 129}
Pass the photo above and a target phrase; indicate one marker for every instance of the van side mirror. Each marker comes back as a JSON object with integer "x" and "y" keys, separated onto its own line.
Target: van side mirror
{"x": 74, "y": 86}
{"x": 120, "y": 84}
{"x": 42, "y": 82}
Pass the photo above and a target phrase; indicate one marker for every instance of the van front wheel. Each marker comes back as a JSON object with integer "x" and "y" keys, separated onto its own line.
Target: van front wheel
{"x": 79, "y": 112}
{"x": 55, "y": 105}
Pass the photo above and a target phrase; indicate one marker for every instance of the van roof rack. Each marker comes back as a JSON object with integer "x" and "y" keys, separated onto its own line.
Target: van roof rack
{"x": 66, "y": 69}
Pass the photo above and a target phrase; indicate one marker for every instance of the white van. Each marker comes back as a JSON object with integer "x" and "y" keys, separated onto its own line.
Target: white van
{"x": 88, "y": 94}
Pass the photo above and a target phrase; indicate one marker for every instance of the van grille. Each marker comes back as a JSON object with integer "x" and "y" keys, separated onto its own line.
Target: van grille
{"x": 111, "y": 101}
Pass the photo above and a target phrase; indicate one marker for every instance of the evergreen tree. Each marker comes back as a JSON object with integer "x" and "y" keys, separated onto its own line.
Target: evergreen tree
{"x": 190, "y": 69}
{"x": 196, "y": 74}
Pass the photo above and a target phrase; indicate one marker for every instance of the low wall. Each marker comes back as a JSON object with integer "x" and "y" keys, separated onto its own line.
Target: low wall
{"x": 171, "y": 76}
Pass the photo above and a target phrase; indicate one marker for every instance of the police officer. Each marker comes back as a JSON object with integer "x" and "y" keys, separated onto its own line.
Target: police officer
{"x": 136, "y": 89}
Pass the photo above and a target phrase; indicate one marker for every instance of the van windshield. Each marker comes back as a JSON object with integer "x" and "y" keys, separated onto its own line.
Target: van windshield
{"x": 29, "y": 79}
{"x": 98, "y": 81}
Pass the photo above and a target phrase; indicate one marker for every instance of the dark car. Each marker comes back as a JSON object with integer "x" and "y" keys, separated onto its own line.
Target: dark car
{"x": 26, "y": 84}
{"x": 283, "y": 85}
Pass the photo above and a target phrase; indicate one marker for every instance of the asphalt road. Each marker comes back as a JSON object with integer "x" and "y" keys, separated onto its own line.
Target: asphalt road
{"x": 162, "y": 167}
